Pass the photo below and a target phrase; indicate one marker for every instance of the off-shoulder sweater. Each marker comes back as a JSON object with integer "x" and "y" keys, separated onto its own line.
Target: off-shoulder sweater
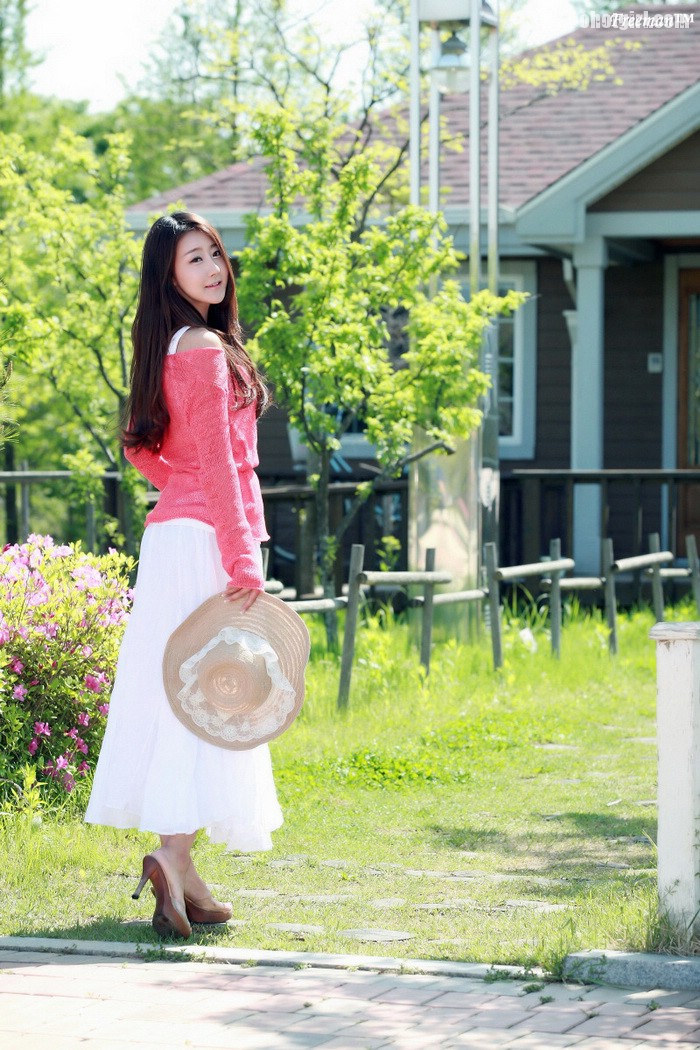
{"x": 206, "y": 466}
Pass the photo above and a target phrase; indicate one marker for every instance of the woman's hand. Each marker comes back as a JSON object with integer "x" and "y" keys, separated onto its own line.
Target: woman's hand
{"x": 248, "y": 595}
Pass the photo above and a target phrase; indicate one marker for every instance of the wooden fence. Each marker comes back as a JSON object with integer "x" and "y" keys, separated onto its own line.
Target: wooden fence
{"x": 653, "y": 566}
{"x": 553, "y": 582}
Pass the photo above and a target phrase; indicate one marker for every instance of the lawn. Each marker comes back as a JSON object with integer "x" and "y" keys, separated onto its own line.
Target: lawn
{"x": 504, "y": 817}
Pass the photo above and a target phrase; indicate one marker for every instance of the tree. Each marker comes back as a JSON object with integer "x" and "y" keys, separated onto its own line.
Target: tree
{"x": 15, "y": 58}
{"x": 315, "y": 296}
{"x": 70, "y": 281}
{"x": 185, "y": 116}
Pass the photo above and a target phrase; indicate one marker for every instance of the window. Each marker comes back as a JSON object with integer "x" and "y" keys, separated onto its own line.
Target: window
{"x": 517, "y": 363}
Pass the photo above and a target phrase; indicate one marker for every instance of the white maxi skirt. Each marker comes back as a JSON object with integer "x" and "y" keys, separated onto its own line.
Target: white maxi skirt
{"x": 153, "y": 773}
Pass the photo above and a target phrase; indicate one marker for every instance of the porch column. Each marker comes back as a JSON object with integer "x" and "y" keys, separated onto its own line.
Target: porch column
{"x": 590, "y": 260}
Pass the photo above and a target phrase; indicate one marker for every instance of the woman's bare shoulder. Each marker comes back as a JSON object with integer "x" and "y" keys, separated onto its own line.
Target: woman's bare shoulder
{"x": 198, "y": 337}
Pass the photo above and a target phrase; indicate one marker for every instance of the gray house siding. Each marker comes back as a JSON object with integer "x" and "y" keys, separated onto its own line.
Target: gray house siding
{"x": 668, "y": 184}
{"x": 633, "y": 396}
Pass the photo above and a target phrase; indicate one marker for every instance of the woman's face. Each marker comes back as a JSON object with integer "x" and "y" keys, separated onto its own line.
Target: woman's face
{"x": 200, "y": 273}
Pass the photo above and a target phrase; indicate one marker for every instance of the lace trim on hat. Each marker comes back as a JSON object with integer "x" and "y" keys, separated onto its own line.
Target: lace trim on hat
{"x": 271, "y": 716}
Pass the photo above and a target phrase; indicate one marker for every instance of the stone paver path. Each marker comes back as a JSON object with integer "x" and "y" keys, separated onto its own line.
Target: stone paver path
{"x": 73, "y": 1001}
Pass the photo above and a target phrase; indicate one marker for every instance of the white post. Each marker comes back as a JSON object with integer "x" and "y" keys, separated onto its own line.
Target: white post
{"x": 590, "y": 260}
{"x": 678, "y": 729}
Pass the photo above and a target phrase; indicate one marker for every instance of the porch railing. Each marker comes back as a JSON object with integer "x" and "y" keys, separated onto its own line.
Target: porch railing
{"x": 538, "y": 506}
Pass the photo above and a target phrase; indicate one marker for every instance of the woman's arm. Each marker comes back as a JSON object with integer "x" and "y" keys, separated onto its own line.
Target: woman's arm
{"x": 208, "y": 420}
{"x": 153, "y": 467}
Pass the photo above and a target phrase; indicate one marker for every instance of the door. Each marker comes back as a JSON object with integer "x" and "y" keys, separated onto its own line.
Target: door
{"x": 689, "y": 401}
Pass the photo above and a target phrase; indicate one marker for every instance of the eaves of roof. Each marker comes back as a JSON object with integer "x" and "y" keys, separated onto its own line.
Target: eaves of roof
{"x": 546, "y": 142}
{"x": 558, "y": 214}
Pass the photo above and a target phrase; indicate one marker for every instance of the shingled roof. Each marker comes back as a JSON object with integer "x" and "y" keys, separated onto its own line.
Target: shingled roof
{"x": 542, "y": 138}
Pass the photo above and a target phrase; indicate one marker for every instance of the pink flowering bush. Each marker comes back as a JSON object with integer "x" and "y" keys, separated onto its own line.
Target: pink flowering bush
{"x": 62, "y": 615}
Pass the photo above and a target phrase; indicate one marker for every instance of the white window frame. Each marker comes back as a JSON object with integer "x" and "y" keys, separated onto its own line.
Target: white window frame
{"x": 520, "y": 275}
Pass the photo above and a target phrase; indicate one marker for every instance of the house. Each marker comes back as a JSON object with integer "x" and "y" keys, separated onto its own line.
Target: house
{"x": 600, "y": 223}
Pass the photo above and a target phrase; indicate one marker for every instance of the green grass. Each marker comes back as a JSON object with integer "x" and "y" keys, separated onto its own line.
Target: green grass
{"x": 502, "y": 817}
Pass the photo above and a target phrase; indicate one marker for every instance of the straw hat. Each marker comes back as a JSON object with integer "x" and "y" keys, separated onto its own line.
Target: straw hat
{"x": 236, "y": 678}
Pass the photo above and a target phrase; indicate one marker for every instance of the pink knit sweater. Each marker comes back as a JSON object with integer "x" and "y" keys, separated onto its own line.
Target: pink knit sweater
{"x": 206, "y": 465}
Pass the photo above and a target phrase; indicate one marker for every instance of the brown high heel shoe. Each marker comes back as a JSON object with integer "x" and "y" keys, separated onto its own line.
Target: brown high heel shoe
{"x": 207, "y": 911}
{"x": 168, "y": 918}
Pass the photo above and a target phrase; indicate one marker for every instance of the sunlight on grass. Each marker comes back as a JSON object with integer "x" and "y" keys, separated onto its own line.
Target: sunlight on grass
{"x": 504, "y": 817}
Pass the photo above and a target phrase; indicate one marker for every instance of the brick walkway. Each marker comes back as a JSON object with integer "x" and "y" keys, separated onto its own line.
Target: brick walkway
{"x": 70, "y": 1001}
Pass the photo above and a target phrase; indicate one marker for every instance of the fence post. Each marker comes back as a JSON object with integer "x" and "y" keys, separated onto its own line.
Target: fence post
{"x": 555, "y": 599}
{"x": 426, "y": 638}
{"x": 90, "y": 529}
{"x": 24, "y": 504}
{"x": 694, "y": 566}
{"x": 494, "y": 595}
{"x": 657, "y": 587}
{"x": 610, "y": 597}
{"x": 678, "y": 747}
{"x": 304, "y": 565}
{"x": 357, "y": 555}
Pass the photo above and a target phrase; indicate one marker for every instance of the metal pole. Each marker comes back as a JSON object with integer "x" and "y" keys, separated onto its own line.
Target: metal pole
{"x": 474, "y": 151}
{"x": 490, "y": 427}
{"x": 414, "y": 104}
{"x": 434, "y": 129}
{"x": 493, "y": 161}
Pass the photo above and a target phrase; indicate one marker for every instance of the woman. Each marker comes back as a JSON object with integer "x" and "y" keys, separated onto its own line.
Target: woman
{"x": 192, "y": 411}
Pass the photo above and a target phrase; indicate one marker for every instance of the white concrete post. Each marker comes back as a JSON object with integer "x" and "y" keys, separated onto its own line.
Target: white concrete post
{"x": 590, "y": 260}
{"x": 678, "y": 733}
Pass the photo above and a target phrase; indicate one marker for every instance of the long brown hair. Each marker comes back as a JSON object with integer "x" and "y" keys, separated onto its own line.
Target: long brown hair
{"x": 161, "y": 311}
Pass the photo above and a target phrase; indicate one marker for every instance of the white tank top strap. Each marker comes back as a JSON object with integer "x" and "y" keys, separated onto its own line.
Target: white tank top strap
{"x": 172, "y": 346}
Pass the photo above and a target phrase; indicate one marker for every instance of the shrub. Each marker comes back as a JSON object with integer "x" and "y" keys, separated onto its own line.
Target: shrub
{"x": 62, "y": 614}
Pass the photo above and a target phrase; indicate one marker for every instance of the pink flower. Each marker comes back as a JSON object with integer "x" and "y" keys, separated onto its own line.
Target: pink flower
{"x": 19, "y": 692}
{"x": 71, "y": 733}
{"x": 103, "y": 709}
{"x": 83, "y": 719}
{"x": 80, "y": 745}
{"x": 68, "y": 781}
{"x": 86, "y": 576}
{"x": 61, "y": 762}
{"x": 4, "y": 630}
{"x": 16, "y": 665}
{"x": 42, "y": 729}
{"x": 95, "y": 682}
{"x": 86, "y": 651}
{"x": 32, "y": 749}
{"x": 48, "y": 630}
{"x": 83, "y": 768}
